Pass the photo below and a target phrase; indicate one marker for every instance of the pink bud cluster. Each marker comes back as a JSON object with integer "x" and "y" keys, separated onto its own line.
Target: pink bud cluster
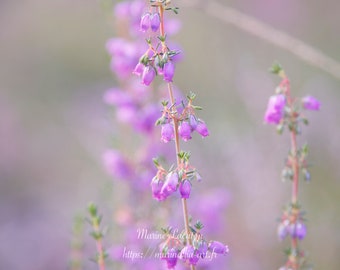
{"x": 281, "y": 108}
{"x": 292, "y": 224}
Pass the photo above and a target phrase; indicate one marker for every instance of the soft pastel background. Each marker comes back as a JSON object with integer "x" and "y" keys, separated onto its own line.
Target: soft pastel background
{"x": 54, "y": 126}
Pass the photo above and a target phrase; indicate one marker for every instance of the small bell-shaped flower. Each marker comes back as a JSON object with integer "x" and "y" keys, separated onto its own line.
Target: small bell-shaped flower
{"x": 170, "y": 184}
{"x": 184, "y": 130}
{"x": 311, "y": 103}
{"x": 149, "y": 74}
{"x": 155, "y": 22}
{"x": 202, "y": 129}
{"x": 275, "y": 109}
{"x": 168, "y": 71}
{"x": 167, "y": 133}
{"x": 145, "y": 22}
{"x": 185, "y": 189}
{"x": 218, "y": 247}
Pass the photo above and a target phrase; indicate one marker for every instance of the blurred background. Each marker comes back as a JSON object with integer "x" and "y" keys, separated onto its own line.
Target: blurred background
{"x": 54, "y": 126}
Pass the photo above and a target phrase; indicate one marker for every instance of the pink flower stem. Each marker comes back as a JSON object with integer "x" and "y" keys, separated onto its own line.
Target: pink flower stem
{"x": 295, "y": 165}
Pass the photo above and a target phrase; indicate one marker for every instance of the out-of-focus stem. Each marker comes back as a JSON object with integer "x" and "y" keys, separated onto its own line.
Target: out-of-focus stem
{"x": 295, "y": 165}
{"x": 99, "y": 245}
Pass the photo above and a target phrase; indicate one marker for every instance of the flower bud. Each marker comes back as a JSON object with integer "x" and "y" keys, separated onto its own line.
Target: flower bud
{"x": 298, "y": 230}
{"x": 311, "y": 103}
{"x": 187, "y": 252}
{"x": 202, "y": 129}
{"x": 171, "y": 258}
{"x": 149, "y": 74}
{"x": 193, "y": 121}
{"x": 167, "y": 133}
{"x": 156, "y": 187}
{"x": 218, "y": 247}
{"x": 170, "y": 184}
{"x": 155, "y": 22}
{"x": 145, "y": 22}
{"x": 185, "y": 189}
{"x": 168, "y": 71}
{"x": 139, "y": 68}
{"x": 184, "y": 130}
{"x": 282, "y": 231}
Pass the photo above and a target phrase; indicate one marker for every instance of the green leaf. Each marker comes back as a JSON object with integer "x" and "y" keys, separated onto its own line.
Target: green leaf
{"x": 276, "y": 68}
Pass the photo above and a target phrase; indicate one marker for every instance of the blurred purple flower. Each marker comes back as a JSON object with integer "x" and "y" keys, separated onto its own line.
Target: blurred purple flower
{"x": 311, "y": 103}
{"x": 170, "y": 184}
{"x": 145, "y": 22}
{"x": 168, "y": 71}
{"x": 171, "y": 258}
{"x": 148, "y": 75}
{"x": 298, "y": 230}
{"x": 202, "y": 129}
{"x": 275, "y": 109}
{"x": 117, "y": 97}
{"x": 184, "y": 130}
{"x": 155, "y": 22}
{"x": 185, "y": 189}
{"x": 116, "y": 165}
{"x": 167, "y": 132}
{"x": 218, "y": 247}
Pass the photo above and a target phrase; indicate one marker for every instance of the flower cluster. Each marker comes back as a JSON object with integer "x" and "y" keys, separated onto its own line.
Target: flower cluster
{"x": 281, "y": 109}
{"x": 284, "y": 110}
{"x": 176, "y": 248}
{"x": 186, "y": 119}
{"x": 166, "y": 183}
{"x": 292, "y": 223}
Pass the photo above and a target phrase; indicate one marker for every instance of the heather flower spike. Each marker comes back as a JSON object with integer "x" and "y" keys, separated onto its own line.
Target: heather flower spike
{"x": 284, "y": 110}
{"x": 178, "y": 120}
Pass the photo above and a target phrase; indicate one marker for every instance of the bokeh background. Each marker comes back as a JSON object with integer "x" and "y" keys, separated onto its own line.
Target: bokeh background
{"x": 54, "y": 126}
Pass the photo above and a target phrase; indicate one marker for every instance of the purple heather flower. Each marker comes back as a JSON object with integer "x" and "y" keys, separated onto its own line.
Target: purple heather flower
{"x": 218, "y": 247}
{"x": 298, "y": 230}
{"x": 282, "y": 230}
{"x": 145, "y": 22}
{"x": 149, "y": 74}
{"x": 156, "y": 187}
{"x": 185, "y": 189}
{"x": 139, "y": 68}
{"x": 202, "y": 249}
{"x": 117, "y": 97}
{"x": 168, "y": 71}
{"x": 193, "y": 121}
{"x": 202, "y": 129}
{"x": 187, "y": 252}
{"x": 170, "y": 184}
{"x": 155, "y": 22}
{"x": 275, "y": 109}
{"x": 184, "y": 130}
{"x": 167, "y": 132}
{"x": 171, "y": 258}
{"x": 311, "y": 103}
{"x": 116, "y": 165}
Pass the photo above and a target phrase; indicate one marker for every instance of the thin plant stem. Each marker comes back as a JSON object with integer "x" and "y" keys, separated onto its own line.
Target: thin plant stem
{"x": 175, "y": 123}
{"x": 295, "y": 165}
{"x": 251, "y": 25}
